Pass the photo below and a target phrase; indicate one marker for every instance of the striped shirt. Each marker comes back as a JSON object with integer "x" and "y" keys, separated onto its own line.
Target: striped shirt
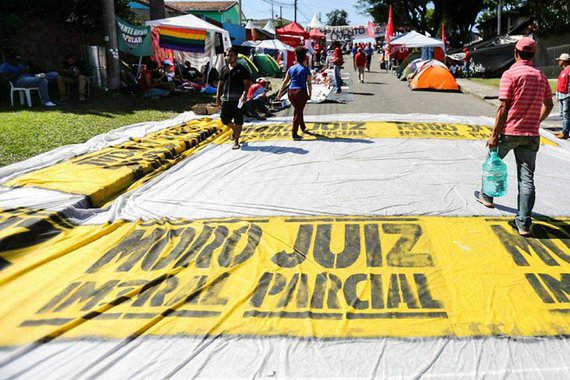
{"x": 527, "y": 88}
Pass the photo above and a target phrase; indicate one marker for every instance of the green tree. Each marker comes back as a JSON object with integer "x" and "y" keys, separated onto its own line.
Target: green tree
{"x": 337, "y": 17}
{"x": 459, "y": 16}
{"x": 552, "y": 16}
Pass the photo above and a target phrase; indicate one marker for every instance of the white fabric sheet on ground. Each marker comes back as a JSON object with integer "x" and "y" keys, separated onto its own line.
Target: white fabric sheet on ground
{"x": 290, "y": 358}
{"x": 339, "y": 177}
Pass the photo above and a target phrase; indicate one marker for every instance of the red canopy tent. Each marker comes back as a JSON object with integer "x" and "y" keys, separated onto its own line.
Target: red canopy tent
{"x": 316, "y": 34}
{"x": 292, "y": 29}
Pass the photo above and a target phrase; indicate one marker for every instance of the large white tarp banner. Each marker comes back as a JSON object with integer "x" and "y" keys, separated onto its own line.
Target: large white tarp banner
{"x": 157, "y": 251}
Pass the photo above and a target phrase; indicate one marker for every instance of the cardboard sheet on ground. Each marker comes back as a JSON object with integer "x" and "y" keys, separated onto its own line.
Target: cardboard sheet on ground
{"x": 362, "y": 238}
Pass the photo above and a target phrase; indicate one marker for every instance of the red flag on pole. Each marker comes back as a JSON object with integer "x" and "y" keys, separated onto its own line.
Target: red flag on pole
{"x": 390, "y": 26}
{"x": 371, "y": 29}
{"x": 443, "y": 37}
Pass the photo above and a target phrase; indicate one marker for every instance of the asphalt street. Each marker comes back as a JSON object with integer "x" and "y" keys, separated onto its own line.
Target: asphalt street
{"x": 385, "y": 93}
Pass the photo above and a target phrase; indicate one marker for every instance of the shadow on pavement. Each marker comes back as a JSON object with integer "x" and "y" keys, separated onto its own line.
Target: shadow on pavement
{"x": 273, "y": 149}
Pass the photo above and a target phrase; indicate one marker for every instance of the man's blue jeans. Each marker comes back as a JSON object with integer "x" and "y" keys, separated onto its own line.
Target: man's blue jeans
{"x": 525, "y": 148}
{"x": 337, "y": 79}
{"x": 41, "y": 83}
{"x": 154, "y": 92}
{"x": 565, "y": 113}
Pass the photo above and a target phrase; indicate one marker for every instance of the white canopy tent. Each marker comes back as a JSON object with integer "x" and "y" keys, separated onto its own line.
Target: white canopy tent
{"x": 269, "y": 27}
{"x": 250, "y": 25}
{"x": 315, "y": 23}
{"x": 414, "y": 39}
{"x": 274, "y": 45}
{"x": 192, "y": 22}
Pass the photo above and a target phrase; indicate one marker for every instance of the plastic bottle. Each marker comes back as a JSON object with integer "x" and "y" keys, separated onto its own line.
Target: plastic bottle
{"x": 494, "y": 176}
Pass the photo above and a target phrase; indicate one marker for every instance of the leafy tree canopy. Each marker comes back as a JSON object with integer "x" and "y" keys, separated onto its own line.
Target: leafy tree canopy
{"x": 337, "y": 17}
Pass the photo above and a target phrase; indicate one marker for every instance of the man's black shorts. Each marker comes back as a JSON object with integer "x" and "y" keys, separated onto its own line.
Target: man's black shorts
{"x": 231, "y": 111}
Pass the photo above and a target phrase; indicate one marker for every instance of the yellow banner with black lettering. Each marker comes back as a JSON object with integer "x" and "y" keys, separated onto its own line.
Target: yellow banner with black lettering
{"x": 295, "y": 276}
{"x": 106, "y": 173}
{"x": 373, "y": 129}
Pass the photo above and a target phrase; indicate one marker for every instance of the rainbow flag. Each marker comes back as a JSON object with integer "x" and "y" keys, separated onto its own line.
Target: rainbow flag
{"x": 190, "y": 40}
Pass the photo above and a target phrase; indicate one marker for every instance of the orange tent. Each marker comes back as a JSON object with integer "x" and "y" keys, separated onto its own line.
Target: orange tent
{"x": 435, "y": 78}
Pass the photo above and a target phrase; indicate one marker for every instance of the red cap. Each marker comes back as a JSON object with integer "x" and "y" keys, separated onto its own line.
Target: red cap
{"x": 526, "y": 44}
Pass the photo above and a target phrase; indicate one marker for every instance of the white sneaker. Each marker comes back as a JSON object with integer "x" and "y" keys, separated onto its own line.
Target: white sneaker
{"x": 50, "y": 104}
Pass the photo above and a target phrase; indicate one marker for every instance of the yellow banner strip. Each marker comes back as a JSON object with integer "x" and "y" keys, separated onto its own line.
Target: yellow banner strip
{"x": 105, "y": 174}
{"x": 360, "y": 130}
{"x": 324, "y": 277}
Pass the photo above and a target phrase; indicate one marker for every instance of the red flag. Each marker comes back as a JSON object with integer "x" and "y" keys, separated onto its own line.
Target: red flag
{"x": 443, "y": 37}
{"x": 390, "y": 26}
{"x": 371, "y": 29}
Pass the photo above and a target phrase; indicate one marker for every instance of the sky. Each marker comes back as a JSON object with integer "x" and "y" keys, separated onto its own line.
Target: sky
{"x": 305, "y": 10}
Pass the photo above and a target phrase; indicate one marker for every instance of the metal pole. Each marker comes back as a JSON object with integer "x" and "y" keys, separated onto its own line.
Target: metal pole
{"x": 272, "y": 12}
{"x": 281, "y": 14}
{"x": 499, "y": 17}
{"x": 111, "y": 45}
{"x": 295, "y": 10}
{"x": 240, "y": 20}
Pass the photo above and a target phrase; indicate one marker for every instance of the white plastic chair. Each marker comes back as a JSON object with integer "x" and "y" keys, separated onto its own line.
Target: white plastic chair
{"x": 23, "y": 91}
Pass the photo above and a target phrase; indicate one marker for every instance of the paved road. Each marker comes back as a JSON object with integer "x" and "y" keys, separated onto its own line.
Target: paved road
{"x": 384, "y": 93}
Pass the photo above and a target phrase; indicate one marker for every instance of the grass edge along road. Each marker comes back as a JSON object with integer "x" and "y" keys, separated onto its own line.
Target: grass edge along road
{"x": 494, "y": 82}
{"x": 26, "y": 132}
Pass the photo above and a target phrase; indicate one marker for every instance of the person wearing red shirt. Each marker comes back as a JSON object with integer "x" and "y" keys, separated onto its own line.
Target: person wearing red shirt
{"x": 525, "y": 101}
{"x": 563, "y": 94}
{"x": 337, "y": 62}
{"x": 466, "y": 62}
{"x": 360, "y": 61}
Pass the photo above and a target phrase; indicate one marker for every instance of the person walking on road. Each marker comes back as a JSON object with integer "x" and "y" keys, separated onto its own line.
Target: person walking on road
{"x": 299, "y": 91}
{"x": 368, "y": 51}
{"x": 337, "y": 62}
{"x": 563, "y": 94}
{"x": 466, "y": 63}
{"x": 353, "y": 51}
{"x": 232, "y": 94}
{"x": 360, "y": 61}
{"x": 525, "y": 101}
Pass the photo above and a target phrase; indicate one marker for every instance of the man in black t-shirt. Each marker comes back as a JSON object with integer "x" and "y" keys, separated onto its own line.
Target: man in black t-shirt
{"x": 191, "y": 73}
{"x": 232, "y": 94}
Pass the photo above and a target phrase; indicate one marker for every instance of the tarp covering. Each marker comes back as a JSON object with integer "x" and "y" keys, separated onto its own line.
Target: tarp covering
{"x": 356, "y": 252}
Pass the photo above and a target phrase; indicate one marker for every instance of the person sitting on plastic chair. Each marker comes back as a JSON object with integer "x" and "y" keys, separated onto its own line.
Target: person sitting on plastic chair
{"x": 15, "y": 71}
{"x": 73, "y": 73}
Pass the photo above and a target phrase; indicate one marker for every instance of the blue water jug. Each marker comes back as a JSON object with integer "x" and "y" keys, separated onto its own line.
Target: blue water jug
{"x": 494, "y": 176}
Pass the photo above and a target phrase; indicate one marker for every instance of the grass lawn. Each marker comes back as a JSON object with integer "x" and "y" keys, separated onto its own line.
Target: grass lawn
{"x": 26, "y": 132}
{"x": 494, "y": 82}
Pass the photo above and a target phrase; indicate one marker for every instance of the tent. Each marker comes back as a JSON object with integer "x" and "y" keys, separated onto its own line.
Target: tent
{"x": 414, "y": 39}
{"x": 315, "y": 23}
{"x": 215, "y": 46}
{"x": 267, "y": 65}
{"x": 434, "y": 77}
{"x": 269, "y": 27}
{"x": 316, "y": 34}
{"x": 274, "y": 45}
{"x": 250, "y": 66}
{"x": 293, "y": 29}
